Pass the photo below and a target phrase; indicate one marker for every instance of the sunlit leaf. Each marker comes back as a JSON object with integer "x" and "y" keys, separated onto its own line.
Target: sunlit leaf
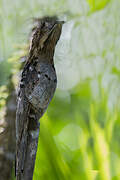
{"x": 97, "y": 4}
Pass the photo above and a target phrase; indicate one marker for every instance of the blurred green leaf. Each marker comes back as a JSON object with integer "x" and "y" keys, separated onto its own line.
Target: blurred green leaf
{"x": 116, "y": 71}
{"x": 80, "y": 133}
{"x": 97, "y": 4}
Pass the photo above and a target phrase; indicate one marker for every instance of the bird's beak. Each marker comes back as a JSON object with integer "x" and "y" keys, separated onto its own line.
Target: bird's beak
{"x": 57, "y": 25}
{"x": 56, "y": 28}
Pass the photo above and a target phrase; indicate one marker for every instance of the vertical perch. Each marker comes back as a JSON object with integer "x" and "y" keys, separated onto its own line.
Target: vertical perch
{"x": 7, "y": 136}
{"x": 36, "y": 89}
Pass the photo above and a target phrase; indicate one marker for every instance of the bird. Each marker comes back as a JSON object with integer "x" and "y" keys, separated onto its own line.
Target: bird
{"x": 36, "y": 89}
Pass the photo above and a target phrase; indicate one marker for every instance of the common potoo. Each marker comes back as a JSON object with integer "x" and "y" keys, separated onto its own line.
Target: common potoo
{"x": 36, "y": 89}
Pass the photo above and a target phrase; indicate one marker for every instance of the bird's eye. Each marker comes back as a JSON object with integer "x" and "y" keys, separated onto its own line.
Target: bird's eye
{"x": 46, "y": 24}
{"x": 43, "y": 24}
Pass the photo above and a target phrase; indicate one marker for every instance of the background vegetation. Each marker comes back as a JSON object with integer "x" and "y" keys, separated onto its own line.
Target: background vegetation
{"x": 80, "y": 133}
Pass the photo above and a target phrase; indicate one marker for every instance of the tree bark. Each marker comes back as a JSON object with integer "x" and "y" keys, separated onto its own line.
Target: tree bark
{"x": 7, "y": 137}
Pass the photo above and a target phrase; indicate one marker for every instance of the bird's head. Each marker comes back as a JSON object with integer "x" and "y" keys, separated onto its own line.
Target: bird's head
{"x": 45, "y": 35}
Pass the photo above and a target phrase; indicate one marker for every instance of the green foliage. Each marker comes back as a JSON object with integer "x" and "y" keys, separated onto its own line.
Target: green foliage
{"x": 97, "y": 4}
{"x": 5, "y": 70}
{"x": 80, "y": 133}
{"x": 79, "y": 142}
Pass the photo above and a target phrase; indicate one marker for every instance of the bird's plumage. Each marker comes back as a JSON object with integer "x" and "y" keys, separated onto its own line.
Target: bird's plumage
{"x": 36, "y": 89}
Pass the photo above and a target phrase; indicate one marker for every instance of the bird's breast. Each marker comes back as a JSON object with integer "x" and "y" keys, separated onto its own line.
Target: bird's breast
{"x": 41, "y": 85}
